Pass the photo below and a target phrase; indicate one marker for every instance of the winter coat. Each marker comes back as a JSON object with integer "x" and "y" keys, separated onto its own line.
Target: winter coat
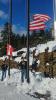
{"x": 4, "y": 67}
{"x": 23, "y": 65}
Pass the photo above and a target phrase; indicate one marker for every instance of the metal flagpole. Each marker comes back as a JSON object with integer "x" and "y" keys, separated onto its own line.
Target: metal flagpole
{"x": 54, "y": 15}
{"x": 28, "y": 80}
{"x": 54, "y": 12}
{"x": 10, "y": 28}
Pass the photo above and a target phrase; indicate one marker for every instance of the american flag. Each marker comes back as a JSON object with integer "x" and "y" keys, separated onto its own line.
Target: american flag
{"x": 39, "y": 22}
{"x": 43, "y": 17}
{"x": 37, "y": 25}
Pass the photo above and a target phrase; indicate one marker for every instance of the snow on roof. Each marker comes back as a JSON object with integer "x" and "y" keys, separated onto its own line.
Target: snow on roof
{"x": 24, "y": 55}
{"x": 50, "y": 44}
{"x": 23, "y": 49}
{"x": 14, "y": 53}
{"x": 32, "y": 48}
{"x": 3, "y": 58}
{"x": 18, "y": 59}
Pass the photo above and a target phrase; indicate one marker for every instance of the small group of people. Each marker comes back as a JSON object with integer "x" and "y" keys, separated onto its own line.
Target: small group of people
{"x": 34, "y": 67}
{"x": 23, "y": 65}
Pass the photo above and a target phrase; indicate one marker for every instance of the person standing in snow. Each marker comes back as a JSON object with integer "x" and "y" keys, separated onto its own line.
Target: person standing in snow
{"x": 4, "y": 70}
{"x": 35, "y": 60}
{"x": 23, "y": 67}
{"x": 46, "y": 61}
{"x": 34, "y": 64}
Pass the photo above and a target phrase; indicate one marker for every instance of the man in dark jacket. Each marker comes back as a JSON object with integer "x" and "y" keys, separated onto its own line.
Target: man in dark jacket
{"x": 4, "y": 69}
{"x": 23, "y": 67}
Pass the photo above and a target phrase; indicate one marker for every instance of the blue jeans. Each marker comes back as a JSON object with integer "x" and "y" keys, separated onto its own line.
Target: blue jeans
{"x": 23, "y": 74}
{"x": 3, "y": 75}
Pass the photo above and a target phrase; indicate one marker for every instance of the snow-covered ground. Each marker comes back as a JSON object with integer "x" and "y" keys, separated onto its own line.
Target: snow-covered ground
{"x": 12, "y": 88}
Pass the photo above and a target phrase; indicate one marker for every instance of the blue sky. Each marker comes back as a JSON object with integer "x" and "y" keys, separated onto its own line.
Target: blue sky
{"x": 20, "y": 12}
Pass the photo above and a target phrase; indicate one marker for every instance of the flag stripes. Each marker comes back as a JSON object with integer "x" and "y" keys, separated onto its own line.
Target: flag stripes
{"x": 37, "y": 28}
{"x": 38, "y": 22}
{"x": 41, "y": 16}
{"x": 37, "y": 25}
